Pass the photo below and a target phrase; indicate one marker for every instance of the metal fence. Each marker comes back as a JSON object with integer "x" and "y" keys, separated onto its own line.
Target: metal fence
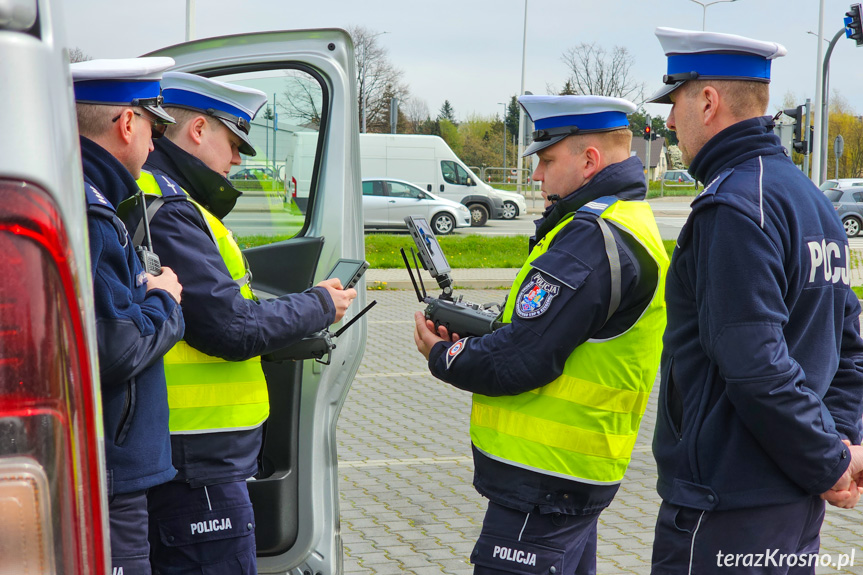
{"x": 495, "y": 175}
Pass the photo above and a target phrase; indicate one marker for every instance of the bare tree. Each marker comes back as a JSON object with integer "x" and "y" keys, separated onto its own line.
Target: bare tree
{"x": 416, "y": 111}
{"x": 76, "y": 54}
{"x": 377, "y": 79}
{"x": 593, "y": 70}
{"x": 302, "y": 100}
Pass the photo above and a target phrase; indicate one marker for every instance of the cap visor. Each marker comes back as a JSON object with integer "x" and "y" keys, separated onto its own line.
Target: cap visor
{"x": 534, "y": 147}
{"x": 245, "y": 145}
{"x": 160, "y": 113}
{"x": 662, "y": 95}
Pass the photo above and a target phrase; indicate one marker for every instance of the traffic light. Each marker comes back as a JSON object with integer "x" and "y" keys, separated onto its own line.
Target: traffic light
{"x": 647, "y": 132}
{"x": 853, "y": 24}
{"x": 799, "y": 139}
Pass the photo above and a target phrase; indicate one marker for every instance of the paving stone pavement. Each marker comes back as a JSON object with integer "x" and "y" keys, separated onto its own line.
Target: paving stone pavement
{"x": 405, "y": 469}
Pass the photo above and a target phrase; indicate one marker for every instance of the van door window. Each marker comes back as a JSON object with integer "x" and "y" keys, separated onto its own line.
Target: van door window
{"x": 454, "y": 174}
{"x": 278, "y": 183}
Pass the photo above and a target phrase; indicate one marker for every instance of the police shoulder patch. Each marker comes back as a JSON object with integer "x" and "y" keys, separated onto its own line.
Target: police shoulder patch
{"x": 535, "y": 297}
{"x": 454, "y": 351}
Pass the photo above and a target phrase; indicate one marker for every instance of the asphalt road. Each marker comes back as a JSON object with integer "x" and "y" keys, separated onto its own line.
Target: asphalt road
{"x": 262, "y": 213}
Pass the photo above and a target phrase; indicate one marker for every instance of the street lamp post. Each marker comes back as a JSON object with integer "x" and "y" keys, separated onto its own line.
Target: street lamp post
{"x": 366, "y": 40}
{"x": 504, "y": 140}
{"x": 704, "y": 10}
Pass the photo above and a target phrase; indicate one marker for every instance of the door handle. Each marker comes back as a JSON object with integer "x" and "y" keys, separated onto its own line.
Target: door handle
{"x": 441, "y": 187}
{"x": 428, "y": 187}
{"x": 392, "y": 201}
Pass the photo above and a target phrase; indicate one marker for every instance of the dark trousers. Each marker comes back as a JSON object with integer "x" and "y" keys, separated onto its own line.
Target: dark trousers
{"x": 528, "y": 543}
{"x": 202, "y": 530}
{"x": 127, "y": 517}
{"x": 740, "y": 541}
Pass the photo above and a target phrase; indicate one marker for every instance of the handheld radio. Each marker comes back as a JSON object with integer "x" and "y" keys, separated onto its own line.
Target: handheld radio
{"x": 151, "y": 262}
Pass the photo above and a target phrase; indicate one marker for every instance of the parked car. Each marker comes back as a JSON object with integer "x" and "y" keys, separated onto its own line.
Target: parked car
{"x": 513, "y": 204}
{"x": 849, "y": 208}
{"x": 53, "y": 485}
{"x": 387, "y": 201}
{"x": 842, "y": 184}
{"x": 678, "y": 179}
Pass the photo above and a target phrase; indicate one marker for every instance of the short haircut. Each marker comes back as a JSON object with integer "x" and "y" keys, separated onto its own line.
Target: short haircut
{"x": 603, "y": 141}
{"x": 184, "y": 115}
{"x": 94, "y": 120}
{"x": 744, "y": 98}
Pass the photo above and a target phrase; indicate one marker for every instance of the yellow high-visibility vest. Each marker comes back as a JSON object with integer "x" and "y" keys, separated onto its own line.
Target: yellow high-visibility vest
{"x": 208, "y": 394}
{"x": 582, "y": 426}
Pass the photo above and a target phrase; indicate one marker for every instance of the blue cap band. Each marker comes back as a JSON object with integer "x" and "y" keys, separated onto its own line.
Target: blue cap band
{"x": 720, "y": 65}
{"x": 598, "y": 121}
{"x": 176, "y": 97}
{"x": 115, "y": 91}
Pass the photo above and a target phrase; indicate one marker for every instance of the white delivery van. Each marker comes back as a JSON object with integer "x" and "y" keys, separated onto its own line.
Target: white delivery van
{"x": 428, "y": 162}
{"x": 425, "y": 161}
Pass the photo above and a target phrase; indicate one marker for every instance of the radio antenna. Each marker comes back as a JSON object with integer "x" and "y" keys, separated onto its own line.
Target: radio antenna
{"x": 410, "y": 273}
{"x": 419, "y": 275}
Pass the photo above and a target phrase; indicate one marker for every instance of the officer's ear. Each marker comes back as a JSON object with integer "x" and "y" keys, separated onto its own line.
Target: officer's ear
{"x": 710, "y": 103}
{"x": 592, "y": 162}
{"x": 123, "y": 125}
{"x": 195, "y": 129}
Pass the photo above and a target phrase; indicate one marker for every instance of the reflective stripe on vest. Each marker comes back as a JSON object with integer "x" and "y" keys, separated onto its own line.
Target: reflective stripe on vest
{"x": 208, "y": 394}
{"x": 582, "y": 425}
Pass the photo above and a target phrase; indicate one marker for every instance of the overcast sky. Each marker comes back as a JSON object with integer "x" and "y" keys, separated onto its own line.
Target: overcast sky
{"x": 470, "y": 51}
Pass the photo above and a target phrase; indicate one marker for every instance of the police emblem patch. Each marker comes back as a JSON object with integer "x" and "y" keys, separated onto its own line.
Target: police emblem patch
{"x": 454, "y": 350}
{"x": 535, "y": 298}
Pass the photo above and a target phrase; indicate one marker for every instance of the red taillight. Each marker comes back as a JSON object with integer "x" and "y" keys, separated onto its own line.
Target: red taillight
{"x": 49, "y": 444}
{"x": 294, "y": 185}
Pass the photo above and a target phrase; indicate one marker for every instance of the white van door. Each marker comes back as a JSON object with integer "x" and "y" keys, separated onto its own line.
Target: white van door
{"x": 310, "y": 78}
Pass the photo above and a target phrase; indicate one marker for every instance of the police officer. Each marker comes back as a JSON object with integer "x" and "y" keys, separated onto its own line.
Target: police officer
{"x": 560, "y": 389}
{"x": 138, "y": 315}
{"x": 762, "y": 366}
{"x": 217, "y": 391}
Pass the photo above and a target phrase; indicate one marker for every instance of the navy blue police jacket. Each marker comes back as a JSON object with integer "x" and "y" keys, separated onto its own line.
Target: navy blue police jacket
{"x": 134, "y": 329}
{"x": 762, "y": 366}
{"x": 531, "y": 352}
{"x": 219, "y": 320}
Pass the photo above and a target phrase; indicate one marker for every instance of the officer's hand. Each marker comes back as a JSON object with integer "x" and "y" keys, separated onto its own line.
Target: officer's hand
{"x": 848, "y": 489}
{"x": 167, "y": 281}
{"x": 342, "y": 298}
{"x": 443, "y": 332}
{"x": 424, "y": 336}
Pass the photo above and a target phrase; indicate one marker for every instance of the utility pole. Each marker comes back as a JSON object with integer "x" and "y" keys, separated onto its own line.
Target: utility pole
{"x": 190, "y": 20}
{"x": 504, "y": 140}
{"x": 521, "y": 121}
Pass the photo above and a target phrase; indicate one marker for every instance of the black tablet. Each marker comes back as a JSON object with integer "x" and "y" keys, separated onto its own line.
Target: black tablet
{"x": 349, "y": 272}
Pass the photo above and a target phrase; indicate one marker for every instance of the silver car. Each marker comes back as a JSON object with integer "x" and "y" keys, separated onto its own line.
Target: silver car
{"x": 386, "y": 202}
{"x": 849, "y": 208}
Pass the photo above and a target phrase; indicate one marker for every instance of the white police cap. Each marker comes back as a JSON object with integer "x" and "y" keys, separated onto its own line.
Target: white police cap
{"x": 234, "y": 105}
{"x": 556, "y": 117}
{"x": 712, "y": 56}
{"x": 122, "y": 82}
